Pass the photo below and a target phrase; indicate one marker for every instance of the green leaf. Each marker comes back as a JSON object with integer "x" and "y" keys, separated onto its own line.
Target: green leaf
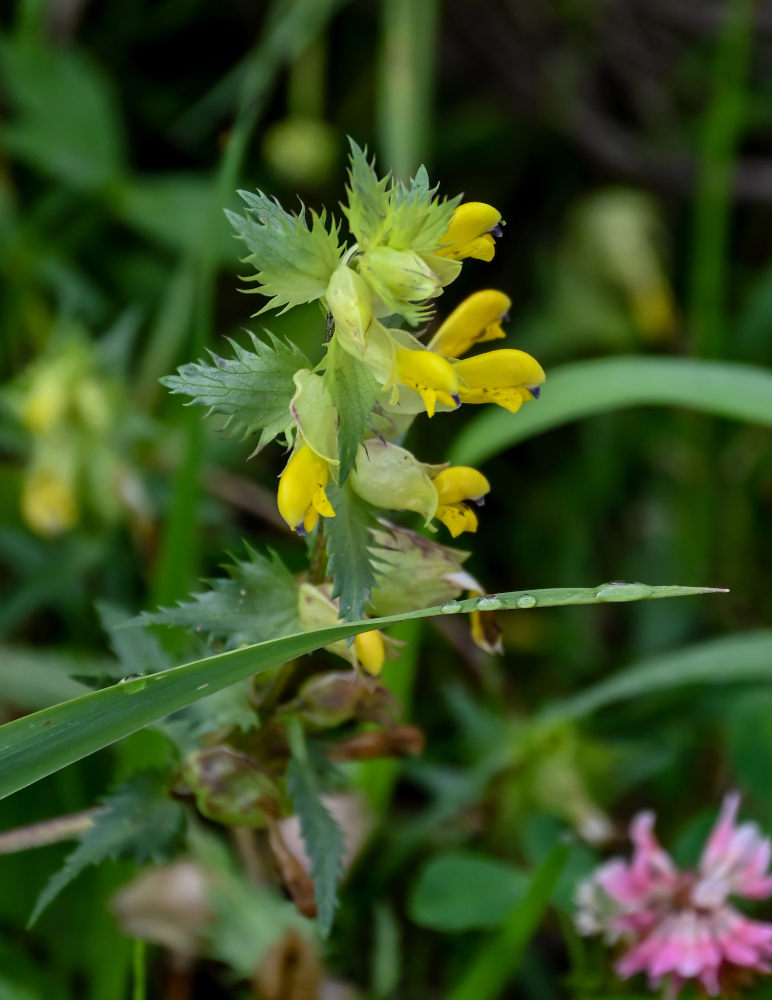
{"x": 294, "y": 263}
{"x": 247, "y": 922}
{"x": 138, "y": 651}
{"x": 66, "y": 122}
{"x": 419, "y": 220}
{"x": 585, "y": 388}
{"x": 499, "y": 957}
{"x": 348, "y": 550}
{"x": 729, "y": 660}
{"x": 43, "y": 742}
{"x": 749, "y": 739}
{"x": 36, "y": 678}
{"x": 139, "y": 820}
{"x": 353, "y": 390}
{"x": 414, "y": 571}
{"x": 402, "y": 216}
{"x": 461, "y": 891}
{"x": 321, "y": 834}
{"x": 253, "y": 390}
{"x": 258, "y": 600}
{"x": 367, "y": 210}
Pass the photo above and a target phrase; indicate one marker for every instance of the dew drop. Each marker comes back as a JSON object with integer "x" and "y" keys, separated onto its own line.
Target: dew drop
{"x": 619, "y": 591}
{"x": 450, "y": 608}
{"x": 243, "y": 593}
{"x": 526, "y": 601}
{"x": 489, "y": 603}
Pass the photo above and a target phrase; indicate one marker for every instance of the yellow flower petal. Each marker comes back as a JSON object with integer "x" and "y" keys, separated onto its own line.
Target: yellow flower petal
{"x": 457, "y": 518}
{"x": 499, "y": 370}
{"x": 301, "y": 496}
{"x": 468, "y": 234}
{"x": 511, "y": 399}
{"x": 429, "y": 375}
{"x": 371, "y": 651}
{"x": 476, "y": 320}
{"x": 460, "y": 482}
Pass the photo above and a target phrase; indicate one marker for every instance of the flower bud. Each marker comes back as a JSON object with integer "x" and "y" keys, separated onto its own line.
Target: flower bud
{"x": 348, "y": 298}
{"x": 389, "y": 476}
{"x": 399, "y": 278}
{"x": 230, "y": 788}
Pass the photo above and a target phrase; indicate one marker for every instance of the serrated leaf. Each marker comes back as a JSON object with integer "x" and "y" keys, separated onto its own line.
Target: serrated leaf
{"x": 257, "y": 601}
{"x": 418, "y": 220}
{"x": 293, "y": 261}
{"x": 402, "y": 216}
{"x": 139, "y": 820}
{"x": 348, "y": 541}
{"x": 353, "y": 390}
{"x": 367, "y": 210}
{"x": 321, "y": 834}
{"x": 253, "y": 389}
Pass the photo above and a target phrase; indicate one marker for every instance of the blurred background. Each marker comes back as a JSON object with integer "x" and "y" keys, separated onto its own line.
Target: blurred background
{"x": 627, "y": 144}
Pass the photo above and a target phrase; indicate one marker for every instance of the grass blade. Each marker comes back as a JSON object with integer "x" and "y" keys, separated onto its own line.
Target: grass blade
{"x": 42, "y": 743}
{"x": 498, "y": 959}
{"x": 730, "y": 660}
{"x": 586, "y": 388}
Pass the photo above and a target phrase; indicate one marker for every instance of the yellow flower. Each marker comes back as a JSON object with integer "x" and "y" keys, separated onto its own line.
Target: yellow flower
{"x": 48, "y": 501}
{"x": 471, "y": 232}
{"x": 454, "y": 487}
{"x": 429, "y": 375}
{"x": 506, "y": 377}
{"x": 476, "y": 320}
{"x": 301, "y": 495}
{"x": 371, "y": 651}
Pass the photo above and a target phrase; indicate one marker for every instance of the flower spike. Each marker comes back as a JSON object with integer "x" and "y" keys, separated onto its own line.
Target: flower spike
{"x": 471, "y": 232}
{"x": 476, "y": 320}
{"x": 302, "y": 497}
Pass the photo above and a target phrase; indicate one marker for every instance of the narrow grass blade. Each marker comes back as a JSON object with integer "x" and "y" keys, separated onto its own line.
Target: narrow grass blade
{"x": 586, "y": 388}
{"x": 498, "y": 959}
{"x": 731, "y": 660}
{"x": 39, "y": 744}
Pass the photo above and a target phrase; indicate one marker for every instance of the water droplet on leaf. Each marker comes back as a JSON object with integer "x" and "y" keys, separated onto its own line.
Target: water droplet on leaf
{"x": 526, "y": 601}
{"x": 489, "y": 603}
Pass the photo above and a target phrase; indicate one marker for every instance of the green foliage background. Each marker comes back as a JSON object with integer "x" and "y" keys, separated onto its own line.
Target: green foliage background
{"x": 126, "y": 132}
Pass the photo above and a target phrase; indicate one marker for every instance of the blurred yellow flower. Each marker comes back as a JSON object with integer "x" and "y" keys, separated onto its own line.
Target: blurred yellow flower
{"x": 48, "y": 502}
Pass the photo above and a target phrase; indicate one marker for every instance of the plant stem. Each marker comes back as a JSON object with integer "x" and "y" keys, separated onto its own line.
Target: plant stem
{"x": 48, "y": 831}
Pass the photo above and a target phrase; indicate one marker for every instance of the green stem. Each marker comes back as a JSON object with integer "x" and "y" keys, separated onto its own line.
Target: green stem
{"x": 408, "y": 29}
{"x": 49, "y": 831}
{"x": 721, "y": 133}
{"x": 138, "y": 991}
